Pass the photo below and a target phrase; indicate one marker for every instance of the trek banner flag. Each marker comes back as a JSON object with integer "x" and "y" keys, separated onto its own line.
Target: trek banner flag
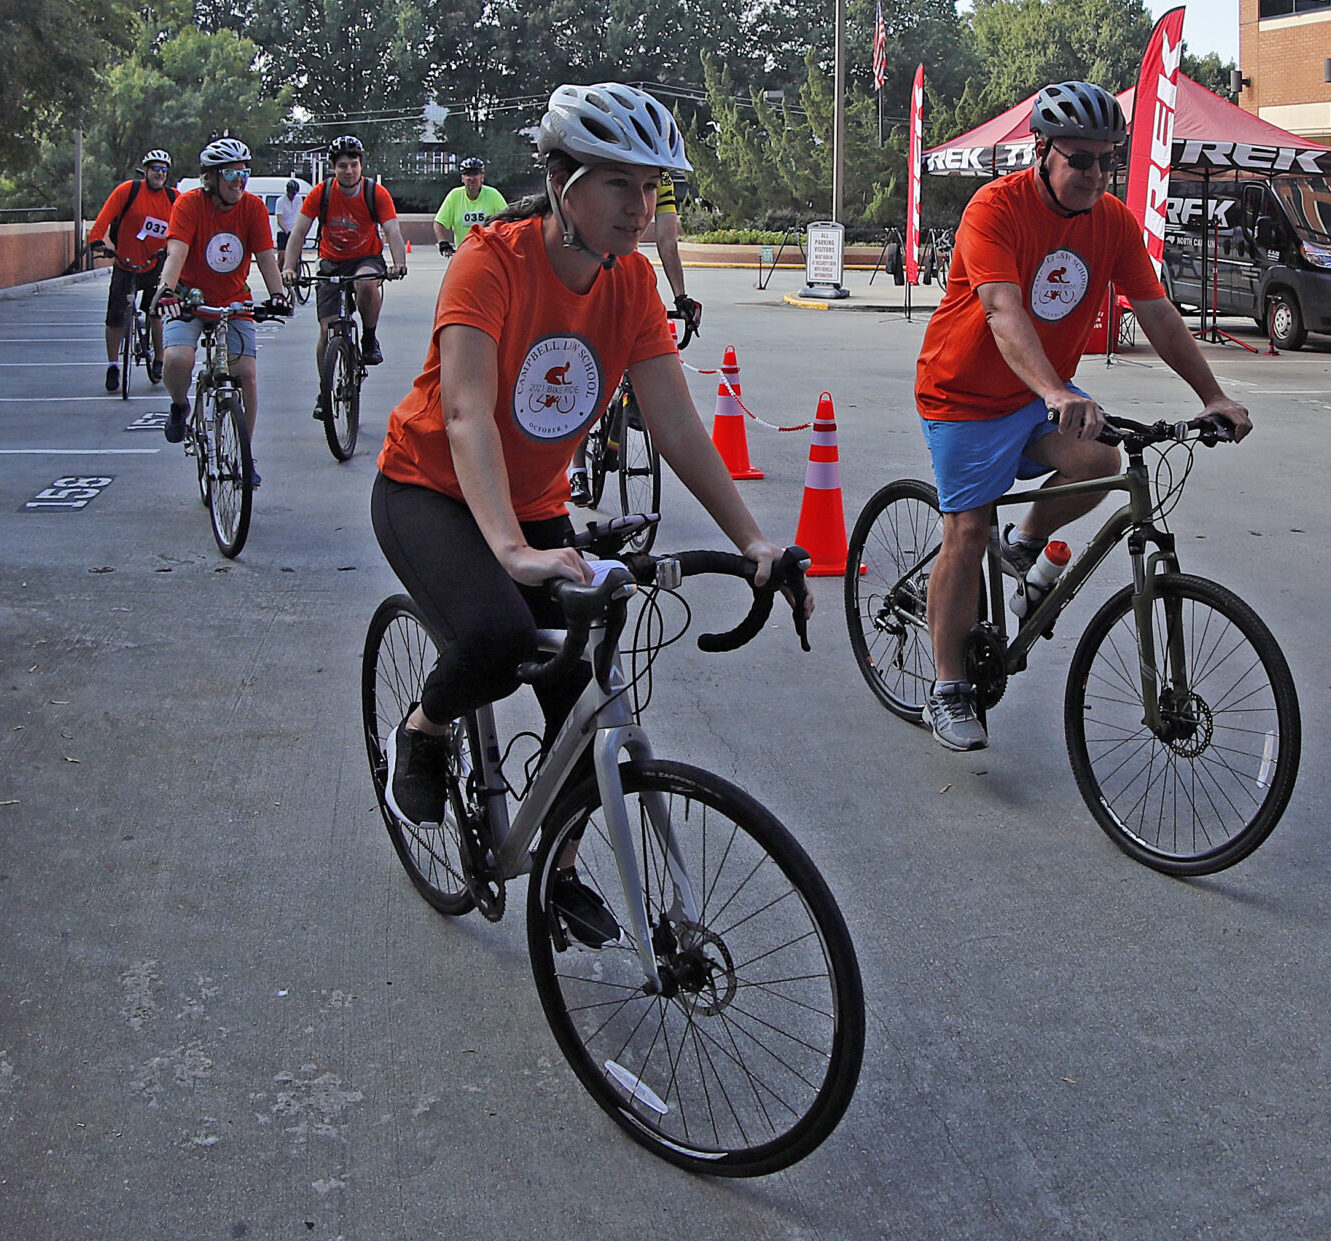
{"x": 913, "y": 168}
{"x": 1153, "y": 110}
{"x": 879, "y": 51}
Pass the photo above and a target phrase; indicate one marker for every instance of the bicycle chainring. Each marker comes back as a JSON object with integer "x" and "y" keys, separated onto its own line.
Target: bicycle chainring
{"x": 986, "y": 665}
{"x": 485, "y": 887}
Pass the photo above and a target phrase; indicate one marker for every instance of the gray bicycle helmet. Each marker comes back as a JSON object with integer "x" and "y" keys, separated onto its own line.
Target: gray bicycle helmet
{"x": 611, "y": 123}
{"x": 156, "y": 156}
{"x": 1078, "y": 110}
{"x": 224, "y": 151}
{"x": 348, "y": 144}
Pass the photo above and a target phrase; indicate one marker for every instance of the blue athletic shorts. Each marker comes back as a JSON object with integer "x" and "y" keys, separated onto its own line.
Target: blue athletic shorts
{"x": 241, "y": 338}
{"x": 978, "y": 460}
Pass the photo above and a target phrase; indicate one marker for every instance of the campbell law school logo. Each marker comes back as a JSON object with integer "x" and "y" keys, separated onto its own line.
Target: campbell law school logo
{"x": 558, "y": 388}
{"x": 1059, "y": 285}
{"x": 224, "y": 252}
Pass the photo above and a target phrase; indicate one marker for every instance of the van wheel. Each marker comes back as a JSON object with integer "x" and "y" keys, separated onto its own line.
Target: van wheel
{"x": 1284, "y": 321}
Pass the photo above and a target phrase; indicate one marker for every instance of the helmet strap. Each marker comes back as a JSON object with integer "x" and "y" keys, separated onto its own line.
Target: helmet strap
{"x": 1044, "y": 176}
{"x": 571, "y": 239}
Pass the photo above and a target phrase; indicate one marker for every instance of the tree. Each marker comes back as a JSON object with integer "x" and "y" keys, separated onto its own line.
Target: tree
{"x": 53, "y": 48}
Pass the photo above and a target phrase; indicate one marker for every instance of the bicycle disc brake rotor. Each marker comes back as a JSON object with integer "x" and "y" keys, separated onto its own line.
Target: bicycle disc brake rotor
{"x": 986, "y": 668}
{"x": 703, "y": 973}
{"x": 1187, "y": 724}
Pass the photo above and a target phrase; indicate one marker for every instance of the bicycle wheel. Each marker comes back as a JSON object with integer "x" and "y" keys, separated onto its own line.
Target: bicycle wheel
{"x": 749, "y": 1057}
{"x": 1207, "y": 790}
{"x": 399, "y": 653}
{"x": 231, "y": 493}
{"x": 127, "y": 355}
{"x": 197, "y": 431}
{"x": 890, "y": 557}
{"x": 340, "y": 387}
{"x": 639, "y": 474}
{"x": 301, "y": 291}
{"x": 597, "y": 439}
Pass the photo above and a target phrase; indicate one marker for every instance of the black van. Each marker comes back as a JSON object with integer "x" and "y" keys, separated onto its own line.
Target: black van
{"x": 1267, "y": 255}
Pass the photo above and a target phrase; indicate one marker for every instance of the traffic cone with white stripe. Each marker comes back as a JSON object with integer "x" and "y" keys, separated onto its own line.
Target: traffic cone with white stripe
{"x": 728, "y": 425}
{"x": 822, "y": 525}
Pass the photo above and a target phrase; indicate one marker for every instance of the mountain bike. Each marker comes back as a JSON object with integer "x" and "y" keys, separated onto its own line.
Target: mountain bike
{"x": 937, "y": 258}
{"x": 724, "y": 1029}
{"x": 1181, "y": 717}
{"x": 216, "y": 434}
{"x": 620, "y": 443}
{"x": 300, "y": 291}
{"x": 136, "y": 346}
{"x": 342, "y": 372}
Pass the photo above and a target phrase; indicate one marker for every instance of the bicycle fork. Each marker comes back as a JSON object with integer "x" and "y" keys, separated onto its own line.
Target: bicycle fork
{"x": 1145, "y": 569}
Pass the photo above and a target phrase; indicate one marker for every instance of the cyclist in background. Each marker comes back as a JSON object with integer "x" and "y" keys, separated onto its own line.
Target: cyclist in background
{"x": 1034, "y": 255}
{"x": 287, "y": 210}
{"x": 131, "y": 228}
{"x": 215, "y": 230}
{"x": 667, "y": 250}
{"x": 539, "y": 315}
{"x": 350, "y": 209}
{"x": 472, "y": 202}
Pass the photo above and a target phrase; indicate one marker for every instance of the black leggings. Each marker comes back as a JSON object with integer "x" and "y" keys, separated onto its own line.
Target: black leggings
{"x": 486, "y": 620}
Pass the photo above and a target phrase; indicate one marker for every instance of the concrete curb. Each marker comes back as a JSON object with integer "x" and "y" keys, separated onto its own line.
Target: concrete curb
{"x": 16, "y": 291}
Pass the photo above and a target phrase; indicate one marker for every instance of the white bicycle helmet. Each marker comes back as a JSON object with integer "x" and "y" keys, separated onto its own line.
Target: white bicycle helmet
{"x": 157, "y": 156}
{"x": 224, "y": 151}
{"x": 610, "y": 123}
{"x": 1078, "y": 110}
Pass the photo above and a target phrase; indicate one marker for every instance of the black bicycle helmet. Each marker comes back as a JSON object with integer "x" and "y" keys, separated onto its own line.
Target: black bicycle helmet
{"x": 293, "y": 188}
{"x": 348, "y": 144}
{"x": 470, "y": 165}
{"x": 1078, "y": 110}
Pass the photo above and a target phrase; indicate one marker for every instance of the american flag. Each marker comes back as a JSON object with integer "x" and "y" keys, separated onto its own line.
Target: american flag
{"x": 879, "y": 51}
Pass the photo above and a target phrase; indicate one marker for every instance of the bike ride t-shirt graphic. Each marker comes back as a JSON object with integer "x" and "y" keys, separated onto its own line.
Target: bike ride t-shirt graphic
{"x": 141, "y": 235}
{"x": 221, "y": 244}
{"x": 559, "y": 355}
{"x": 558, "y": 388}
{"x": 347, "y": 232}
{"x": 1062, "y": 266}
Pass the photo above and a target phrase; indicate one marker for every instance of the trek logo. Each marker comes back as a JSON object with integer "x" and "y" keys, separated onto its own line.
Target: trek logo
{"x": 1187, "y": 212}
{"x": 225, "y": 252}
{"x": 558, "y": 389}
{"x": 1256, "y": 158}
{"x": 1059, "y": 286}
{"x": 1162, "y": 137}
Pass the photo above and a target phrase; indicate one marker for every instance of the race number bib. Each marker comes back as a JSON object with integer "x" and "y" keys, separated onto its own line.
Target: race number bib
{"x": 1059, "y": 286}
{"x": 152, "y": 227}
{"x": 558, "y": 388}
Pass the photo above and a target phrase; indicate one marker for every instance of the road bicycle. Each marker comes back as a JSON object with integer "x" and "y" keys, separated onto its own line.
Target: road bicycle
{"x": 342, "y": 371}
{"x": 620, "y": 443}
{"x": 1180, "y": 714}
{"x": 724, "y": 1029}
{"x": 216, "y": 434}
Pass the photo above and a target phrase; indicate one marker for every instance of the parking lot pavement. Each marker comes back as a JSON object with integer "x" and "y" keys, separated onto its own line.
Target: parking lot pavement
{"x": 225, "y": 1013}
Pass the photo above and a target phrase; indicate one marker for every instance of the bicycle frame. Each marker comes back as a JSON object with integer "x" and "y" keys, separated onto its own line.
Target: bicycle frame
{"x": 600, "y": 719}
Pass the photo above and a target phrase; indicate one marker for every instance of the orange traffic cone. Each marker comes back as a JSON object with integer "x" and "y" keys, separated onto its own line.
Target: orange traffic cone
{"x": 822, "y": 525}
{"x": 728, "y": 425}
{"x": 408, "y": 247}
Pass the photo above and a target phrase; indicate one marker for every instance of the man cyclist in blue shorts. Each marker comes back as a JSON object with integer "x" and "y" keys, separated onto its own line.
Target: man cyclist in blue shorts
{"x": 1035, "y": 254}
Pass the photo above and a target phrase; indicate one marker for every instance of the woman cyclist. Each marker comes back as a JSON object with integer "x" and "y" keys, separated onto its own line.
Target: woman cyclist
{"x": 539, "y": 315}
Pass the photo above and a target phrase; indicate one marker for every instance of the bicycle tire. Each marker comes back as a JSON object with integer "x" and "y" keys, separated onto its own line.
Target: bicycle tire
{"x": 127, "y": 354}
{"x": 301, "y": 291}
{"x": 639, "y": 473}
{"x": 197, "y": 431}
{"x": 596, "y": 451}
{"x": 1167, "y": 802}
{"x": 339, "y": 385}
{"x": 231, "y": 484}
{"x": 889, "y": 636}
{"x": 752, "y": 1061}
{"x": 398, "y": 655}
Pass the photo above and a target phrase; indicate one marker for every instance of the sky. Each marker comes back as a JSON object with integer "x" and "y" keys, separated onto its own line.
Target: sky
{"x": 1208, "y": 25}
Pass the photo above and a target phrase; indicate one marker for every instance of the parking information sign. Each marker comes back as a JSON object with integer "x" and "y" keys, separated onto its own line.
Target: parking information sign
{"x": 824, "y": 254}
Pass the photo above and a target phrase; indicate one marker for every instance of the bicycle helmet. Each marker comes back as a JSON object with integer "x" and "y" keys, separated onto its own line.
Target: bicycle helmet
{"x": 293, "y": 188}
{"x": 471, "y": 165}
{"x": 611, "y": 123}
{"x": 1078, "y": 110}
{"x": 348, "y": 144}
{"x": 156, "y": 156}
{"x": 224, "y": 151}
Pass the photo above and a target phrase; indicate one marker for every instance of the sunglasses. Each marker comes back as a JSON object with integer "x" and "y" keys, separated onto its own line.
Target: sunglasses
{"x": 1084, "y": 161}
{"x": 155, "y": 168}
{"x": 232, "y": 175}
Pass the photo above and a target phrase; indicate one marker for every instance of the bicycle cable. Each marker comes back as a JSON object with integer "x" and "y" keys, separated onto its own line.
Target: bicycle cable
{"x": 1168, "y": 490}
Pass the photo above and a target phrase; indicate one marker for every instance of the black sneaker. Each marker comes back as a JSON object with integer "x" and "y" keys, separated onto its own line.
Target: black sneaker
{"x": 583, "y": 911}
{"x": 370, "y": 353}
{"x": 175, "y": 423}
{"x": 112, "y": 377}
{"x": 579, "y": 491}
{"x": 155, "y": 371}
{"x": 417, "y": 789}
{"x": 255, "y": 480}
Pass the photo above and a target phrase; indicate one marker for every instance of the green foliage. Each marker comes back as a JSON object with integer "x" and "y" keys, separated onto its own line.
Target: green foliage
{"x": 739, "y": 237}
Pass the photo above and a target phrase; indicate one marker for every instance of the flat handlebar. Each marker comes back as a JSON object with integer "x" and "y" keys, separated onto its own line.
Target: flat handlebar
{"x": 1210, "y": 430}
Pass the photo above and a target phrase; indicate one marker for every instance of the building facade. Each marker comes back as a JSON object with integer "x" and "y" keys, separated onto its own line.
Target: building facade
{"x": 1285, "y": 59}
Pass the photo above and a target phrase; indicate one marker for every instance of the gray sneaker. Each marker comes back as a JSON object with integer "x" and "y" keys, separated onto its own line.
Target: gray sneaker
{"x": 949, "y": 710}
{"x": 1015, "y": 554}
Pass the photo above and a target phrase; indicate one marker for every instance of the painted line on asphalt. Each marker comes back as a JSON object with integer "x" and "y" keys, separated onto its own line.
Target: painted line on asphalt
{"x": 56, "y": 364}
{"x": 106, "y": 396}
{"x": 78, "y": 452}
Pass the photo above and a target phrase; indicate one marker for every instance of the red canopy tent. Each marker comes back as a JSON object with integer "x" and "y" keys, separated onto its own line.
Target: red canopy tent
{"x": 1210, "y": 133}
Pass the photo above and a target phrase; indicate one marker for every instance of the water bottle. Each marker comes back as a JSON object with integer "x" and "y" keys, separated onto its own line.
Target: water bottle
{"x": 1042, "y": 575}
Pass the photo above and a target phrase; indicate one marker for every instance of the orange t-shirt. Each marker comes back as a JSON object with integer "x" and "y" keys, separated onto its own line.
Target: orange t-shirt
{"x": 347, "y": 231}
{"x": 221, "y": 244}
{"x": 1061, "y": 264}
{"x": 141, "y": 235}
{"x": 561, "y": 356}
